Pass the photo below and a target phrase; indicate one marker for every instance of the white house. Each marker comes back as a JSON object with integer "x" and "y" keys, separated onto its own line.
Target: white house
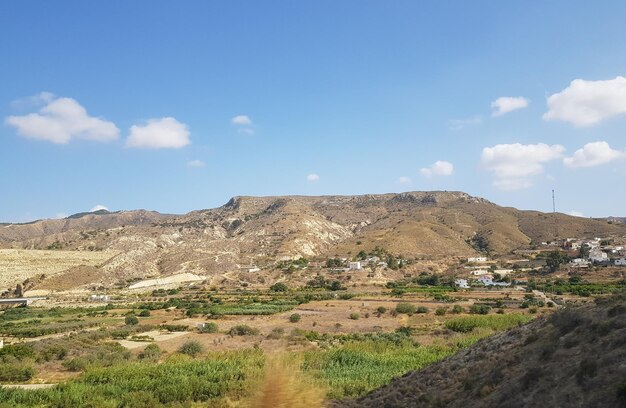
{"x": 477, "y": 259}
{"x": 254, "y": 269}
{"x": 462, "y": 283}
{"x": 99, "y": 298}
{"x": 1, "y": 344}
{"x": 487, "y": 280}
{"x": 479, "y": 272}
{"x": 355, "y": 266}
{"x": 620, "y": 262}
{"x": 596, "y": 255}
{"x": 579, "y": 263}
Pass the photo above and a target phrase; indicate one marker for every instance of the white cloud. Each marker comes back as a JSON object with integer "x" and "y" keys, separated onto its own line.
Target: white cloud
{"x": 506, "y": 104}
{"x": 585, "y": 103}
{"x": 244, "y": 124}
{"x": 242, "y": 120}
{"x": 458, "y": 124}
{"x": 312, "y": 178}
{"x": 195, "y": 163}
{"x": 514, "y": 165}
{"x": 576, "y": 214}
{"x": 98, "y": 207}
{"x": 438, "y": 168}
{"x": 33, "y": 101}
{"x": 164, "y": 133}
{"x": 403, "y": 180}
{"x": 593, "y": 154}
{"x": 60, "y": 121}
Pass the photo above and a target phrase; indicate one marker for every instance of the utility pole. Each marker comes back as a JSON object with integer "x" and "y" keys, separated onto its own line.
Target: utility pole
{"x": 553, "y": 203}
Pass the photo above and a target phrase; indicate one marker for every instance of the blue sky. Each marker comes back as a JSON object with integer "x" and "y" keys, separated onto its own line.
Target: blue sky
{"x": 177, "y": 106}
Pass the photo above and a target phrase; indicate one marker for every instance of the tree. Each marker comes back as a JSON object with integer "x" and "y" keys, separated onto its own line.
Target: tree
{"x": 144, "y": 313}
{"x": 362, "y": 255}
{"x": 131, "y": 320}
{"x": 583, "y": 252}
{"x": 279, "y": 287}
{"x": 555, "y": 259}
{"x": 335, "y": 286}
{"x": 294, "y": 318}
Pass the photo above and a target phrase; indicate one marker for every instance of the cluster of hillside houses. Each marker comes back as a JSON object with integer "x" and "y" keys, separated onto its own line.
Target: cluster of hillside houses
{"x": 595, "y": 251}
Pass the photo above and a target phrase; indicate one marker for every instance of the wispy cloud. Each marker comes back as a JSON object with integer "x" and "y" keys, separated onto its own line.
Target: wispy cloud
{"x": 98, "y": 207}
{"x": 244, "y": 124}
{"x": 313, "y": 178}
{"x": 404, "y": 180}
{"x": 196, "y": 163}
{"x": 458, "y": 124}
{"x": 506, "y": 104}
{"x": 438, "y": 168}
{"x": 514, "y": 165}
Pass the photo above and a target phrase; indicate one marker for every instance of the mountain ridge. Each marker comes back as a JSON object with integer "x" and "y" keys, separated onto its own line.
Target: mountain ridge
{"x": 248, "y": 230}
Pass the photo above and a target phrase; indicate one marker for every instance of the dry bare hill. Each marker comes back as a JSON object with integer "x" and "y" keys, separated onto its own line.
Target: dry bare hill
{"x": 259, "y": 230}
{"x": 573, "y": 359}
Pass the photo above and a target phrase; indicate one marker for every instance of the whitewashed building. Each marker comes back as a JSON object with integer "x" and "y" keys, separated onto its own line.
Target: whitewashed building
{"x": 355, "y": 266}
{"x": 596, "y": 255}
{"x": 99, "y": 298}
{"x": 477, "y": 259}
{"x": 462, "y": 283}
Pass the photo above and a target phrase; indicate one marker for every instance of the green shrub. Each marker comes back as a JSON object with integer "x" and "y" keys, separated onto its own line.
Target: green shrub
{"x": 191, "y": 348}
{"x": 279, "y": 287}
{"x": 354, "y": 316}
{"x": 381, "y": 309}
{"x": 496, "y": 322}
{"x": 422, "y": 309}
{"x": 456, "y": 309}
{"x": 131, "y": 320}
{"x": 276, "y": 333}
{"x": 480, "y": 309}
{"x": 407, "y": 308}
{"x": 243, "y": 330}
{"x": 441, "y": 311}
{"x": 16, "y": 372}
{"x": 294, "y": 318}
{"x": 18, "y": 351}
{"x": 151, "y": 352}
{"x": 209, "y": 327}
{"x": 144, "y": 313}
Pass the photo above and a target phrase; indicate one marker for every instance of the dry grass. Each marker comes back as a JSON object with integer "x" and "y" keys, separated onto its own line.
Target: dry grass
{"x": 16, "y": 265}
{"x": 284, "y": 385}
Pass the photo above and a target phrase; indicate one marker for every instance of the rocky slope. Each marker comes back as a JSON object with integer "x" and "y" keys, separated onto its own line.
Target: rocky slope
{"x": 573, "y": 359}
{"x": 260, "y": 230}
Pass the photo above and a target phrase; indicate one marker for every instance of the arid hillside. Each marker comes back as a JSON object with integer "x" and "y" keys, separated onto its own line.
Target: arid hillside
{"x": 249, "y": 231}
{"x": 574, "y": 358}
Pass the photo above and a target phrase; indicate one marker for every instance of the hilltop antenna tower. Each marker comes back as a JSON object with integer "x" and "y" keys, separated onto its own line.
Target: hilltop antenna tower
{"x": 556, "y": 232}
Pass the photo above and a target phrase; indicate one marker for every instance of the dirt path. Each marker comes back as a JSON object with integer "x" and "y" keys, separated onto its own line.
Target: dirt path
{"x": 545, "y": 298}
{"x": 28, "y": 386}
